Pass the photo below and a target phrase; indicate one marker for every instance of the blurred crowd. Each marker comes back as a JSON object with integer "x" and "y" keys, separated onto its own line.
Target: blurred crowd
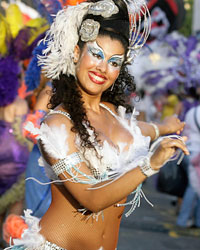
{"x": 167, "y": 75}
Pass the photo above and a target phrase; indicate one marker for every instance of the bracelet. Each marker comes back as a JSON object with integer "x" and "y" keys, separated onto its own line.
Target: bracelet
{"x": 146, "y": 168}
{"x": 156, "y": 129}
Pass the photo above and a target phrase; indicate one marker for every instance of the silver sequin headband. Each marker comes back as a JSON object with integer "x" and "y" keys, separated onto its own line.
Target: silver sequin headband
{"x": 63, "y": 36}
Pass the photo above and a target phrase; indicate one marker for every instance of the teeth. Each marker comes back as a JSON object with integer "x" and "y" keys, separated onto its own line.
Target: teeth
{"x": 97, "y": 78}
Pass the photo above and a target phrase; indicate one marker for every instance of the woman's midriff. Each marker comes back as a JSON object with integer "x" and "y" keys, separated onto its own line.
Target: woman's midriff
{"x": 73, "y": 230}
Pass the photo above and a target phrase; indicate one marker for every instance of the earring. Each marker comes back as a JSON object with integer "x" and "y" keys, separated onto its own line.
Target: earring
{"x": 112, "y": 87}
{"x": 75, "y": 60}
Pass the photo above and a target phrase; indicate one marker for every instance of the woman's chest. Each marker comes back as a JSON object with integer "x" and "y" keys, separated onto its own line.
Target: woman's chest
{"x": 111, "y": 130}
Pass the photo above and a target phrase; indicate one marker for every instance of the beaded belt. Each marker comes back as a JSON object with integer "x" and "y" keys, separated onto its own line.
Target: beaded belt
{"x": 51, "y": 246}
{"x": 45, "y": 246}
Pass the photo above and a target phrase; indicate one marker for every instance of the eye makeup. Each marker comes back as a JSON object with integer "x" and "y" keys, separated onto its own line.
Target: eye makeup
{"x": 97, "y": 54}
{"x": 95, "y": 51}
{"x": 116, "y": 61}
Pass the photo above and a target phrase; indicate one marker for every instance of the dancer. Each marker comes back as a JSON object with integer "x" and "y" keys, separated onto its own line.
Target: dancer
{"x": 94, "y": 155}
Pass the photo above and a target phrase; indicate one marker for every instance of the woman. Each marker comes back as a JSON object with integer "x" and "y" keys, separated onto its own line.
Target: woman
{"x": 93, "y": 154}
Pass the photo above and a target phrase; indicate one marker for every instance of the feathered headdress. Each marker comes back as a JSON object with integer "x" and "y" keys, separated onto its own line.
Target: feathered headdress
{"x": 63, "y": 35}
{"x": 47, "y": 9}
{"x": 61, "y": 40}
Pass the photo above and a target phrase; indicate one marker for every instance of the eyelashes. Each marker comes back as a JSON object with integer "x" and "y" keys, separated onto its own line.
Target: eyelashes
{"x": 115, "y": 61}
{"x": 96, "y": 53}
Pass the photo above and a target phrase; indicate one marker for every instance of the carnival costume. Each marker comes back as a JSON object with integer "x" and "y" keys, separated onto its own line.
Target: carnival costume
{"x": 112, "y": 162}
{"x": 111, "y": 166}
{"x": 105, "y": 162}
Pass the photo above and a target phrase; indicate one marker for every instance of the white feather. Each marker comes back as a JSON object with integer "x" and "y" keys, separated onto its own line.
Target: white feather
{"x": 61, "y": 39}
{"x": 29, "y": 126}
{"x": 31, "y": 238}
{"x": 54, "y": 140}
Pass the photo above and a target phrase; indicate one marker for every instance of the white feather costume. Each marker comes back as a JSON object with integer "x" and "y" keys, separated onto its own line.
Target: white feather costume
{"x": 112, "y": 162}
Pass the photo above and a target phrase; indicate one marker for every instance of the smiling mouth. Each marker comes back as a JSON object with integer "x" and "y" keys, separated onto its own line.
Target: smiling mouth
{"x": 96, "y": 78}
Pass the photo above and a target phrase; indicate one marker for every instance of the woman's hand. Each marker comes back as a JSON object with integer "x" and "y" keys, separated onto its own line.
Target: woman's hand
{"x": 172, "y": 124}
{"x": 166, "y": 150}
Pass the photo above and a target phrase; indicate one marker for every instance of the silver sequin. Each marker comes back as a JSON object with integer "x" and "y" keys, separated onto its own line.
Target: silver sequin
{"x": 105, "y": 8}
{"x": 89, "y": 30}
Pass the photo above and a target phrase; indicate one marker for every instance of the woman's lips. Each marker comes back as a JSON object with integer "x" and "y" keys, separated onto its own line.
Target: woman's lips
{"x": 96, "y": 77}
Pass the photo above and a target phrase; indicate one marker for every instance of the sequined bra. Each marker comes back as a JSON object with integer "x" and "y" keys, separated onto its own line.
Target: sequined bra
{"x": 111, "y": 160}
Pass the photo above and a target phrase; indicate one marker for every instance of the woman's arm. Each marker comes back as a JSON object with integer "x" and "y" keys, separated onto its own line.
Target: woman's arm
{"x": 170, "y": 125}
{"x": 96, "y": 197}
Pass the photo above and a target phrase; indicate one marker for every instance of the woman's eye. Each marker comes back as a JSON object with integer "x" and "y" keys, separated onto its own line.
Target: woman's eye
{"x": 114, "y": 64}
{"x": 97, "y": 56}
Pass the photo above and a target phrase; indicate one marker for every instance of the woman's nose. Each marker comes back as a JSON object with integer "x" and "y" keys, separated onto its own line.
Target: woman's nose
{"x": 102, "y": 66}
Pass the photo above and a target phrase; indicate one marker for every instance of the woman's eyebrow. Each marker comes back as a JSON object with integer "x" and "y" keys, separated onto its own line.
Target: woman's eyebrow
{"x": 119, "y": 55}
{"x": 96, "y": 43}
{"x": 98, "y": 46}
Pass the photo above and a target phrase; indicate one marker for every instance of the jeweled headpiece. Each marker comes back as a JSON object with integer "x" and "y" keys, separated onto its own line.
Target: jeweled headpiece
{"x": 140, "y": 27}
{"x": 70, "y": 25}
{"x": 89, "y": 30}
{"x": 104, "y": 8}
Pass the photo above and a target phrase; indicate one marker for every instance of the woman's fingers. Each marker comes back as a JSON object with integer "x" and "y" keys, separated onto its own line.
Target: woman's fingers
{"x": 175, "y": 143}
{"x": 167, "y": 149}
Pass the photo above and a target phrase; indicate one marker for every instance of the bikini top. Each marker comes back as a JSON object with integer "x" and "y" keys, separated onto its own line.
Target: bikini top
{"x": 111, "y": 160}
{"x": 112, "y": 163}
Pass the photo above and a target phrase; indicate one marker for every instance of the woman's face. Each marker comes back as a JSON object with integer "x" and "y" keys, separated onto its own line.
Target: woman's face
{"x": 99, "y": 64}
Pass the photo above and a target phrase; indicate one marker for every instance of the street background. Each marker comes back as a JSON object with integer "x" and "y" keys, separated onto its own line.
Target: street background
{"x": 153, "y": 228}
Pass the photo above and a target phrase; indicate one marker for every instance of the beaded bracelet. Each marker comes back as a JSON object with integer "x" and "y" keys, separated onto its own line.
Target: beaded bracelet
{"x": 146, "y": 168}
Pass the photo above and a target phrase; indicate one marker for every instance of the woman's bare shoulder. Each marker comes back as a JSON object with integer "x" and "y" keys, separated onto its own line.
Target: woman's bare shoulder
{"x": 57, "y": 118}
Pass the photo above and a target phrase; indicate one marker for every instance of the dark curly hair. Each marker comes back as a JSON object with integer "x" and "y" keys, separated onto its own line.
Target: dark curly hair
{"x": 65, "y": 89}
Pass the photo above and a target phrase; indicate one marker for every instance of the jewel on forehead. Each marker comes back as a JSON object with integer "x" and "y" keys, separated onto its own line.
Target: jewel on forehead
{"x": 105, "y": 8}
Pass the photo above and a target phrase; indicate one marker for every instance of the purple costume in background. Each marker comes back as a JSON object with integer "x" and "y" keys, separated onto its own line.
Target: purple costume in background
{"x": 13, "y": 156}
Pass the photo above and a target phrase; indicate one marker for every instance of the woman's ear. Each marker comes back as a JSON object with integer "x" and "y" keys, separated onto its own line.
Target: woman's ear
{"x": 76, "y": 53}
